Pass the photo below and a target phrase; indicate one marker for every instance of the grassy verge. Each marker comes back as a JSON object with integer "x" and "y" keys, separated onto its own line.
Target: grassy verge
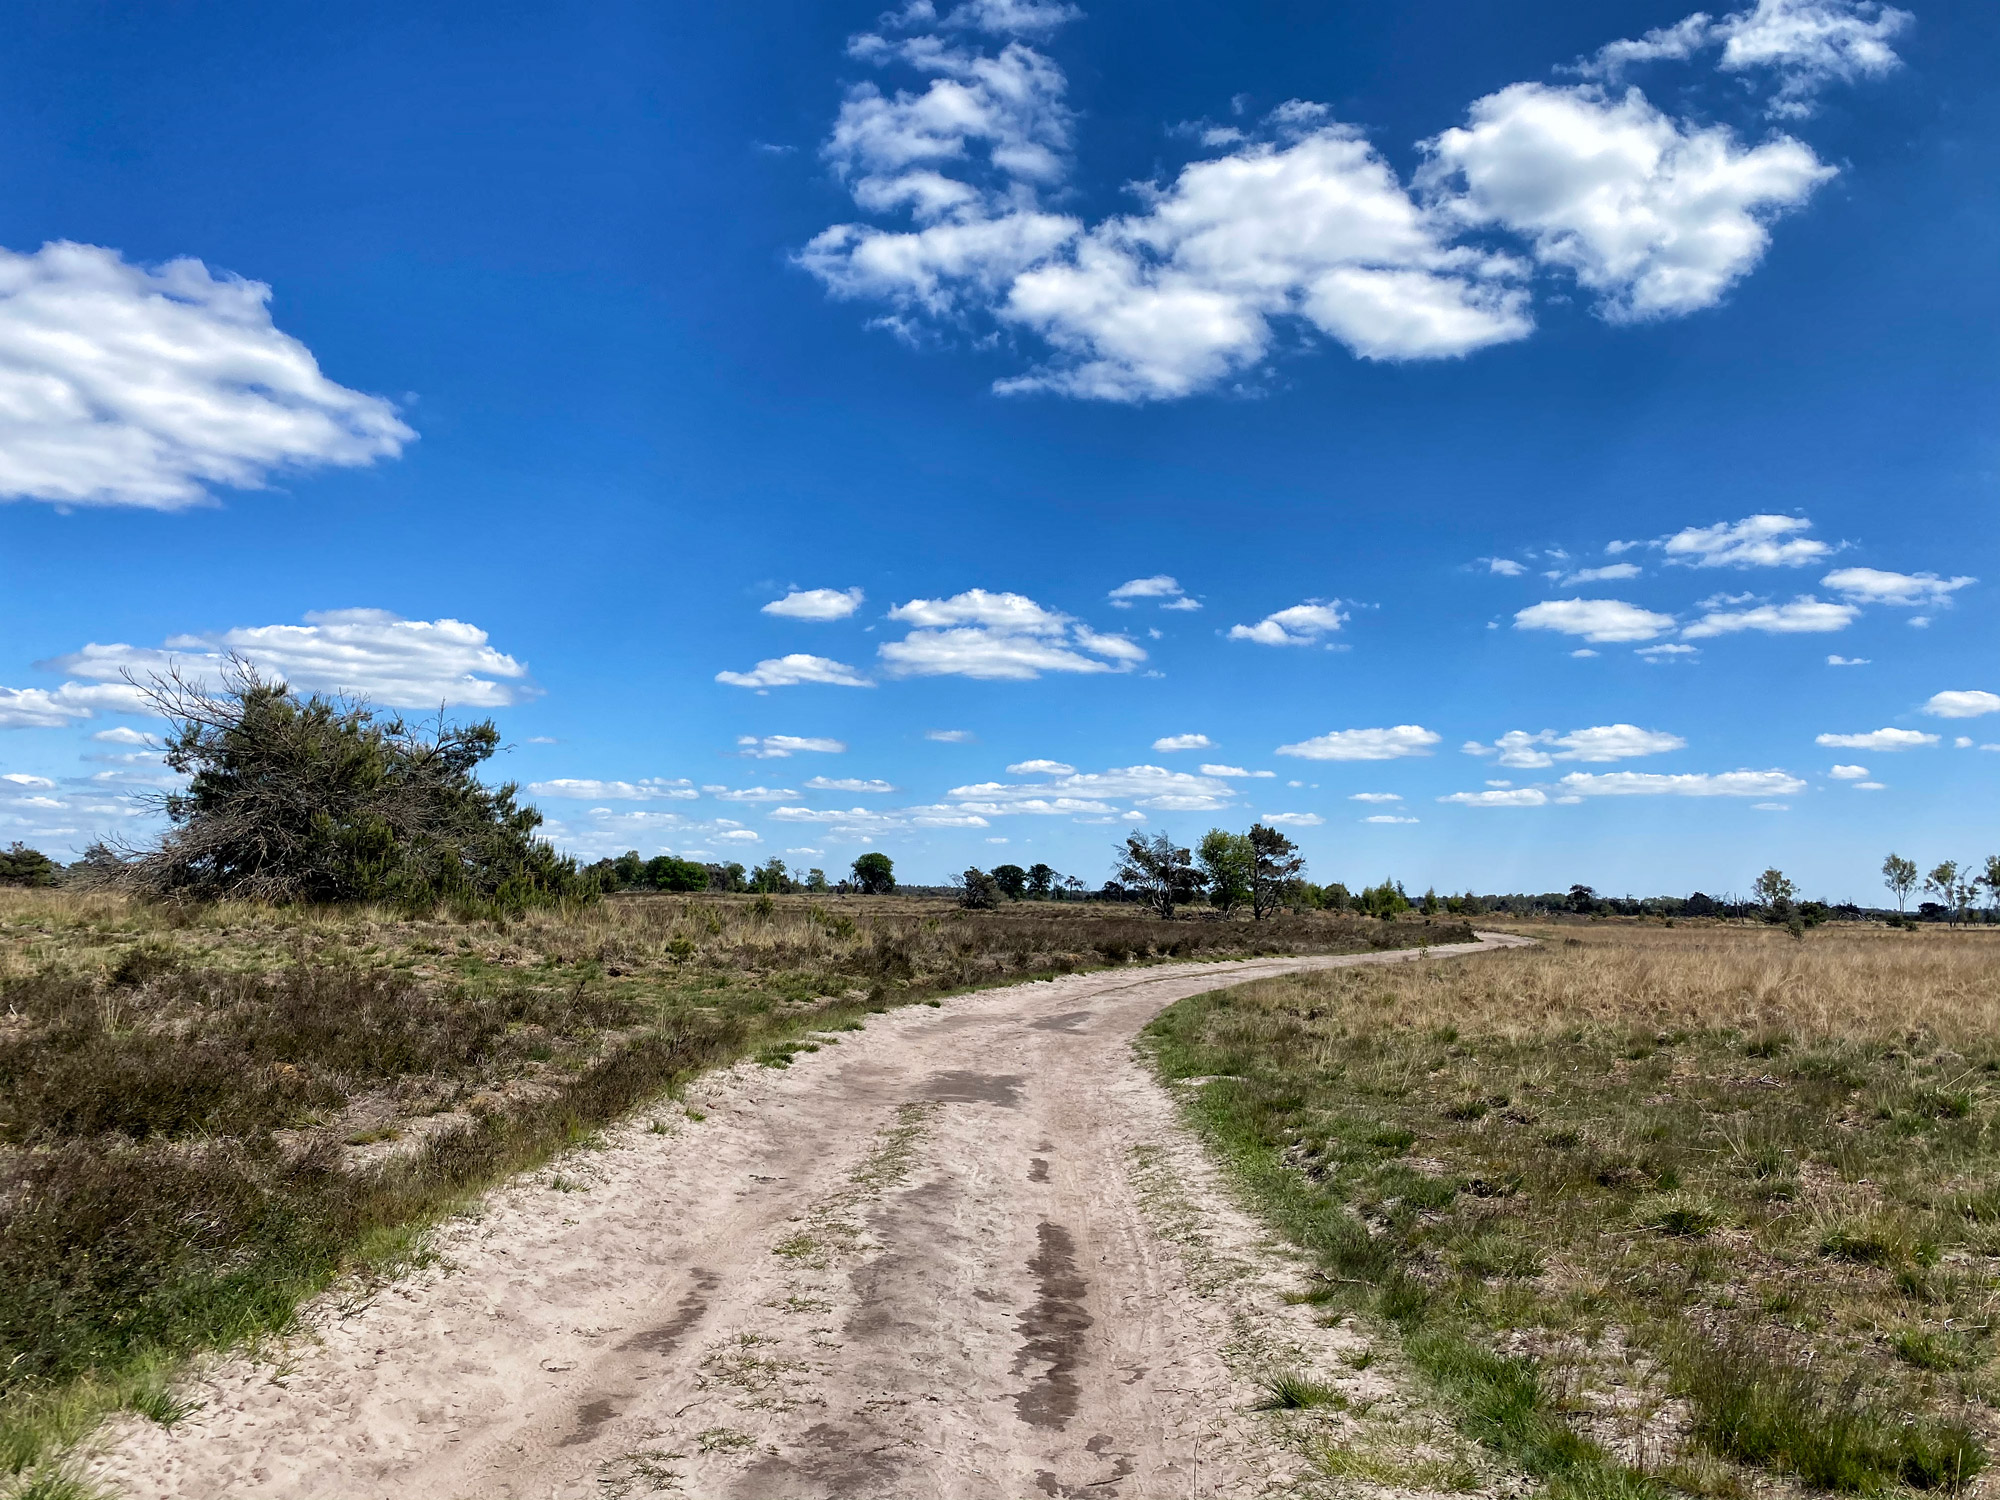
{"x": 1649, "y": 1211}
{"x": 209, "y": 1115}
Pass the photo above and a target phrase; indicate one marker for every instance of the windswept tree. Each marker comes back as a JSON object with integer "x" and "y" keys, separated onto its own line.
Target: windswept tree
{"x": 318, "y": 799}
{"x": 1042, "y": 881}
{"x": 874, "y": 874}
{"x": 1228, "y": 867}
{"x": 1900, "y": 876}
{"x": 1278, "y": 868}
{"x": 1775, "y": 893}
{"x": 978, "y": 891}
{"x": 1158, "y": 870}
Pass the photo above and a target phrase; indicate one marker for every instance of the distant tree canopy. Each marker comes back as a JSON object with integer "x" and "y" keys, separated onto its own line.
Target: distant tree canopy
{"x": 20, "y": 865}
{"x": 313, "y": 799}
{"x": 663, "y": 872}
{"x": 874, "y": 874}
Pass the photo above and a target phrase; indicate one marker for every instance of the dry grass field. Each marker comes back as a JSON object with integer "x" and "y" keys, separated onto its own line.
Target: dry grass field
{"x": 1647, "y": 1210}
{"x": 209, "y": 1113}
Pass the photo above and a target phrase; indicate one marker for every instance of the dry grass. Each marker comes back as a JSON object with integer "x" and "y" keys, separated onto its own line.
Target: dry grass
{"x": 1744, "y": 1190}
{"x": 208, "y": 1113}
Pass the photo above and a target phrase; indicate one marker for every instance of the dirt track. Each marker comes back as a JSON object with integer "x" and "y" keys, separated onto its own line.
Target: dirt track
{"x": 965, "y": 1253}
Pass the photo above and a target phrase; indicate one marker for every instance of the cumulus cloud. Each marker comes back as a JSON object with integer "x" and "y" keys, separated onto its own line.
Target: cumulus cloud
{"x": 1525, "y": 796}
{"x": 649, "y": 789}
{"x": 793, "y": 670}
{"x": 1967, "y": 703}
{"x": 1152, "y": 787}
{"x": 368, "y": 653}
{"x": 1654, "y": 784}
{"x": 1761, "y": 541}
{"x": 750, "y": 793}
{"x": 1167, "y": 743}
{"x": 816, "y": 604}
{"x": 1803, "y": 616}
{"x": 1848, "y": 773}
{"x": 121, "y": 385}
{"x": 1658, "y": 217}
{"x": 1912, "y": 590}
{"x": 1594, "y": 619}
{"x": 1609, "y": 573}
{"x": 54, "y": 708}
{"x": 1386, "y": 818}
{"x": 1803, "y": 44}
{"x": 1041, "y": 768}
{"x": 949, "y": 736}
{"x": 1847, "y": 661}
{"x": 1209, "y": 770}
{"x": 848, "y": 784}
{"x": 1160, "y": 586}
{"x": 1365, "y": 744}
{"x": 1301, "y": 625}
{"x": 1375, "y": 797}
{"x": 1506, "y": 567}
{"x": 1296, "y": 223}
{"x": 1666, "y": 652}
{"x": 779, "y": 746}
{"x": 1601, "y": 742}
{"x": 1878, "y": 739}
{"x": 999, "y": 636}
{"x": 1291, "y": 820}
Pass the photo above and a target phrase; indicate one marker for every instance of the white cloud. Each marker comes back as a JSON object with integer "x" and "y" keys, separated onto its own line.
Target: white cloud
{"x": 1848, "y": 773}
{"x": 949, "y": 736}
{"x": 1806, "y": 44}
{"x": 1803, "y": 616}
{"x": 1878, "y": 739}
{"x": 126, "y": 386}
{"x": 1151, "y": 787}
{"x": 1506, "y": 567}
{"x": 1292, "y": 820}
{"x": 1525, "y": 796}
{"x": 1208, "y": 770}
{"x": 1968, "y": 703}
{"x": 1171, "y": 742}
{"x": 1301, "y": 625}
{"x": 1601, "y": 742}
{"x": 1847, "y": 661}
{"x": 1583, "y": 652}
{"x": 1653, "y": 784}
{"x": 1365, "y": 744}
{"x": 1870, "y": 786}
{"x": 54, "y": 708}
{"x": 741, "y": 835}
{"x": 1666, "y": 652}
{"x": 1659, "y": 217}
{"x": 778, "y": 746}
{"x": 1760, "y": 541}
{"x": 1160, "y": 586}
{"x": 1386, "y": 818}
{"x": 1594, "y": 619}
{"x": 1609, "y": 573}
{"x": 1041, "y": 768}
{"x": 847, "y": 784}
{"x": 123, "y": 735}
{"x": 369, "y": 653}
{"x": 652, "y": 788}
{"x": 1874, "y": 586}
{"x": 1375, "y": 797}
{"x": 21, "y": 778}
{"x": 793, "y": 670}
{"x": 751, "y": 794}
{"x": 999, "y": 636}
{"x": 816, "y": 604}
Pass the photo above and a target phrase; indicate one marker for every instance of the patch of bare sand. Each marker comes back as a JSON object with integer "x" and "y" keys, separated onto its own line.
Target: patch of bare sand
{"x": 967, "y": 1253}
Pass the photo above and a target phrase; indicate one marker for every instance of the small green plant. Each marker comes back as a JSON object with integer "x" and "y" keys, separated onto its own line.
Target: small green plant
{"x": 1294, "y": 1392}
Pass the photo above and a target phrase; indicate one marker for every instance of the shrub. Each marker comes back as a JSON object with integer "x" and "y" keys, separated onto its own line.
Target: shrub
{"x": 20, "y": 865}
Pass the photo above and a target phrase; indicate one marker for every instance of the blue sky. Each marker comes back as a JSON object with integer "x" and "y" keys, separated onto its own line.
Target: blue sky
{"x": 1518, "y": 405}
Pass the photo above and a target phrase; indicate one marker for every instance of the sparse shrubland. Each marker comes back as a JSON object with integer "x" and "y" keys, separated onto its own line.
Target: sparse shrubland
{"x": 209, "y": 1111}
{"x": 1700, "y": 1209}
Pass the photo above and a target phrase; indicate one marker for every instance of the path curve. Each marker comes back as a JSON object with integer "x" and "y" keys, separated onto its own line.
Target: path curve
{"x": 921, "y": 1263}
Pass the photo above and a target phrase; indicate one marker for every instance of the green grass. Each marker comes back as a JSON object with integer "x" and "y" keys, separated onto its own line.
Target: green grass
{"x": 1494, "y": 1193}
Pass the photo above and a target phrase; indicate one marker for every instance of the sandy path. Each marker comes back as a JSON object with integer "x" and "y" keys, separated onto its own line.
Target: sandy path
{"x": 935, "y": 1260}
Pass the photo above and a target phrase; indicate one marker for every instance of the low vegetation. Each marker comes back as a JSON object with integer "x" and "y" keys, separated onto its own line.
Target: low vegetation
{"x": 1650, "y": 1210}
{"x": 210, "y": 1111}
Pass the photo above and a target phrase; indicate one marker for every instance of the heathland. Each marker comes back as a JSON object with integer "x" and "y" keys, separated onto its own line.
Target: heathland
{"x": 209, "y": 1112}
{"x": 1647, "y": 1209}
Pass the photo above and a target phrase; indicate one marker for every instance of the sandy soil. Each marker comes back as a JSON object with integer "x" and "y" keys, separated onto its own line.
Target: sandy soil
{"x": 965, "y": 1253}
